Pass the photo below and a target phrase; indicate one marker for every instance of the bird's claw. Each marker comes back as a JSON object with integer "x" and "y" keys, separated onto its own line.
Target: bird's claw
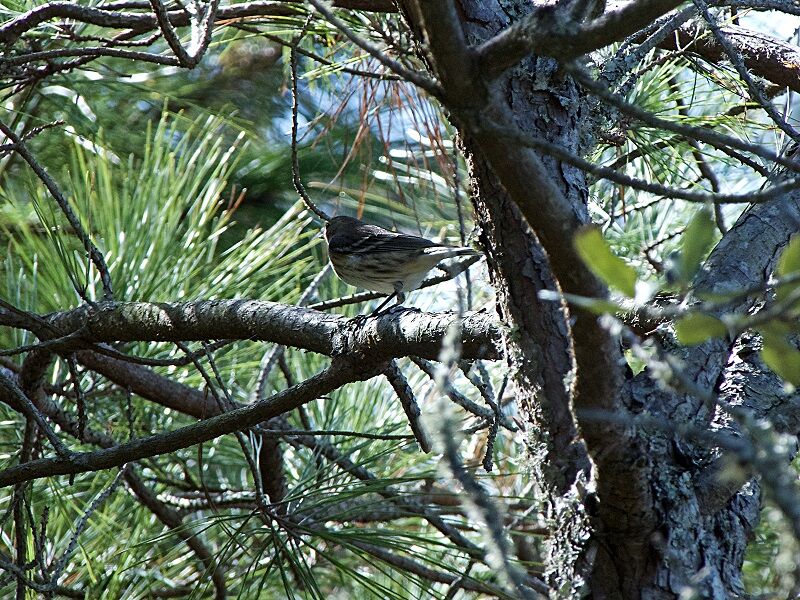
{"x": 359, "y": 320}
{"x": 396, "y": 308}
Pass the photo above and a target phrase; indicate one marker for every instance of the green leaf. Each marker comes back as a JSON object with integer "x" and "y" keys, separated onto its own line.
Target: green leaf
{"x": 776, "y": 328}
{"x": 696, "y": 328}
{"x": 780, "y": 356}
{"x": 790, "y": 258}
{"x": 695, "y": 243}
{"x": 789, "y": 264}
{"x": 598, "y": 306}
{"x": 597, "y": 255}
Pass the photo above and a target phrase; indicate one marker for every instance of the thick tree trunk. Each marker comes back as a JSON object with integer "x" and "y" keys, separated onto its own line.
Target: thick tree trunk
{"x": 636, "y": 506}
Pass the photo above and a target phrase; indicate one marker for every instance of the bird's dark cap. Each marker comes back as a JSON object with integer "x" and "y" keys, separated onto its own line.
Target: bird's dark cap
{"x": 340, "y": 224}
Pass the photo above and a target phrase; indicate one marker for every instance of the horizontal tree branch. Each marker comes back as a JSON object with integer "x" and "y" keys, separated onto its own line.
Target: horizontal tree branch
{"x": 765, "y": 55}
{"x": 341, "y": 371}
{"x": 148, "y": 384}
{"x": 787, "y": 6}
{"x": 398, "y": 333}
{"x": 91, "y": 52}
{"x": 146, "y": 21}
{"x": 549, "y": 31}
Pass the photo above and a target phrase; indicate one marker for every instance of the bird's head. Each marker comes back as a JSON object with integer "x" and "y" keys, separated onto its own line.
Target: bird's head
{"x": 340, "y": 225}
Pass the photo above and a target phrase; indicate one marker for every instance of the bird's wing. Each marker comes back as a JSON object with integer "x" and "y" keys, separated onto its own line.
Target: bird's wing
{"x": 399, "y": 243}
{"x": 375, "y": 239}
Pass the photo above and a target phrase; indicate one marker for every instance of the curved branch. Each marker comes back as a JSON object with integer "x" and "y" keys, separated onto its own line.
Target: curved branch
{"x": 341, "y": 371}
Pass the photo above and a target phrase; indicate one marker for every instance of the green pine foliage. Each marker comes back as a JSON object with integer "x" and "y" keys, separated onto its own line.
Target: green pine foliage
{"x": 160, "y": 219}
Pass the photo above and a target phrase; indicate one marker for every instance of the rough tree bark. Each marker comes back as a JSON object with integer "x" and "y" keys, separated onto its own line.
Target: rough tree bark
{"x": 635, "y": 511}
{"x": 633, "y": 477}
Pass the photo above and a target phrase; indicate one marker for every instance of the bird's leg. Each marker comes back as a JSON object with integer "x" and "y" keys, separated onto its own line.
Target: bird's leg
{"x": 398, "y": 293}
{"x": 395, "y": 294}
{"x": 359, "y": 319}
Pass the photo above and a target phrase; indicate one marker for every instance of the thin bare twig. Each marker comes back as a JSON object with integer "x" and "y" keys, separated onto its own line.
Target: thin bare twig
{"x": 225, "y": 404}
{"x": 298, "y": 182}
{"x": 44, "y": 345}
{"x": 80, "y": 525}
{"x": 317, "y": 58}
{"x": 334, "y": 432}
{"x": 460, "y": 399}
{"x": 91, "y": 52}
{"x": 484, "y": 386}
{"x": 716, "y": 140}
{"x": 275, "y": 354}
{"x": 494, "y": 533}
{"x": 11, "y": 389}
{"x": 702, "y": 163}
{"x": 406, "y": 396}
{"x": 341, "y": 371}
{"x": 619, "y": 65}
{"x": 333, "y": 455}
{"x": 513, "y": 135}
{"x": 415, "y": 77}
{"x": 756, "y": 89}
{"x": 170, "y": 518}
{"x": 201, "y": 26}
{"x": 80, "y": 400}
{"x": 160, "y": 362}
{"x": 94, "y": 253}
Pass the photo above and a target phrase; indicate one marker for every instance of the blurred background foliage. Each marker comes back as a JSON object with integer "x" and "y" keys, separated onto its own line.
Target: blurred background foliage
{"x": 184, "y": 180}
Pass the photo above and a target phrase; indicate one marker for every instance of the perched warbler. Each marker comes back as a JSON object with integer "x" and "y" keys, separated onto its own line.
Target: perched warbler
{"x": 370, "y": 257}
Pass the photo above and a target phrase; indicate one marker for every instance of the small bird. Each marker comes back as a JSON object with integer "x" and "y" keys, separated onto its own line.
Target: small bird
{"x": 370, "y": 257}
